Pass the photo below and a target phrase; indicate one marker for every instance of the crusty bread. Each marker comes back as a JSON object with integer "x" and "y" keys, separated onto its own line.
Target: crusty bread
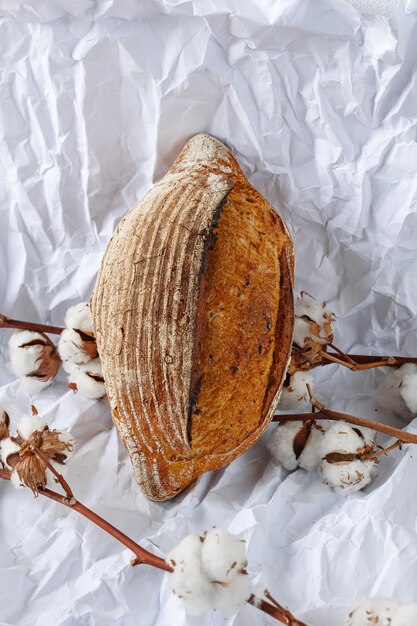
{"x": 193, "y": 315}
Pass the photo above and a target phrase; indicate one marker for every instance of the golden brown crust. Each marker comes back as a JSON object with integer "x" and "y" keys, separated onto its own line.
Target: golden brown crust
{"x": 164, "y": 273}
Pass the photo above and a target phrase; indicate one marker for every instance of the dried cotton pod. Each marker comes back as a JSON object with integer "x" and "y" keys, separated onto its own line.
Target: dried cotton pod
{"x": 23, "y": 453}
{"x": 193, "y": 315}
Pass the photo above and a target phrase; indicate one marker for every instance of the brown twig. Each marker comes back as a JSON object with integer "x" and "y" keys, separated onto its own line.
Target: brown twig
{"x": 142, "y": 556}
{"x": 328, "y": 414}
{"x": 275, "y": 609}
{"x": 360, "y": 362}
{"x": 7, "y": 322}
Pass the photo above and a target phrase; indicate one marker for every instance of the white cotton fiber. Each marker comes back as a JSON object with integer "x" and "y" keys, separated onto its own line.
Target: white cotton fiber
{"x": 15, "y": 481}
{"x": 398, "y": 392}
{"x": 306, "y": 305}
{"x": 188, "y": 582}
{"x": 28, "y": 424}
{"x": 349, "y": 477}
{"x": 84, "y": 377}
{"x": 311, "y": 456}
{"x": 342, "y": 437}
{"x": 71, "y": 348}
{"x": 25, "y": 360}
{"x": 295, "y": 395}
{"x": 79, "y": 316}
{"x": 229, "y": 599}
{"x": 405, "y": 615}
{"x": 372, "y": 611}
{"x": 223, "y": 554}
{"x": 301, "y": 331}
{"x": 31, "y": 384}
{"x": 281, "y": 444}
{"x": 7, "y": 446}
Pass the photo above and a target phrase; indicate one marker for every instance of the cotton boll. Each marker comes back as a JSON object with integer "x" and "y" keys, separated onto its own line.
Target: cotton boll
{"x": 7, "y": 448}
{"x": 33, "y": 359}
{"x": 307, "y": 305}
{"x": 28, "y": 424}
{"x": 405, "y": 615}
{"x": 281, "y": 444}
{"x": 373, "y": 611}
{"x": 229, "y": 599}
{"x": 79, "y": 317}
{"x": 25, "y": 360}
{"x": 295, "y": 394}
{"x": 287, "y": 441}
{"x": 189, "y": 582}
{"x": 398, "y": 393}
{"x": 88, "y": 380}
{"x": 348, "y": 477}
{"x": 307, "y": 309}
{"x": 344, "y": 438}
{"x": 71, "y": 347}
{"x": 223, "y": 555}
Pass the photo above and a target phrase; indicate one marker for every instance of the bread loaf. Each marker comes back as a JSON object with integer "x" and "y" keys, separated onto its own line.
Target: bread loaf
{"x": 193, "y": 315}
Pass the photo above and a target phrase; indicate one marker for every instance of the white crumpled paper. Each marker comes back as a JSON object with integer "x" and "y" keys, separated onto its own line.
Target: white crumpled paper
{"x": 319, "y": 104}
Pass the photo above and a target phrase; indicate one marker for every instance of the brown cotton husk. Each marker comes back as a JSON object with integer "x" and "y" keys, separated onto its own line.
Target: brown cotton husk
{"x": 28, "y": 462}
{"x": 48, "y": 363}
{"x": 89, "y": 345}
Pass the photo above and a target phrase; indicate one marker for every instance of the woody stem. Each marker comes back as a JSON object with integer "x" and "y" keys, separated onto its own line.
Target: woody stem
{"x": 327, "y": 414}
{"x": 57, "y": 475}
{"x": 142, "y": 555}
{"x": 359, "y": 362}
{"x": 7, "y": 322}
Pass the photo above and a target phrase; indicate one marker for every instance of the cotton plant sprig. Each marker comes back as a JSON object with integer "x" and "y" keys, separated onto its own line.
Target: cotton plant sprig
{"x": 383, "y": 612}
{"x": 345, "y": 453}
{"x": 35, "y": 359}
{"x": 207, "y": 572}
{"x": 78, "y": 350}
{"x": 313, "y": 336}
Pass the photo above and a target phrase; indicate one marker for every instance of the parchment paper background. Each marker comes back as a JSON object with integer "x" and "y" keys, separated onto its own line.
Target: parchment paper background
{"x": 319, "y": 104}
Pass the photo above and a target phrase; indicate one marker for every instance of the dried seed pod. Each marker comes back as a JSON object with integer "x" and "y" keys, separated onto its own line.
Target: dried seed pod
{"x": 193, "y": 316}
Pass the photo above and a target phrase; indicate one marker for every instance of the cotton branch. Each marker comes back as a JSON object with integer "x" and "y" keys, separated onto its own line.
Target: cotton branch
{"x": 321, "y": 412}
{"x": 7, "y": 322}
{"x": 143, "y": 556}
{"x": 360, "y": 362}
